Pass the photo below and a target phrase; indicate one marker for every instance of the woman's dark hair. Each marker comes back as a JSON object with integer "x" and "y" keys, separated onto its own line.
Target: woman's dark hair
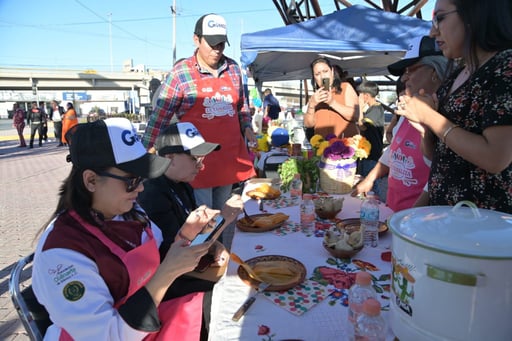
{"x": 69, "y": 105}
{"x": 74, "y": 195}
{"x": 319, "y": 60}
{"x": 488, "y": 25}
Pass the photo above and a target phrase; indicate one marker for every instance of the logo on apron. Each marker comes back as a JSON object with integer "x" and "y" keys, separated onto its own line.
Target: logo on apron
{"x": 73, "y": 291}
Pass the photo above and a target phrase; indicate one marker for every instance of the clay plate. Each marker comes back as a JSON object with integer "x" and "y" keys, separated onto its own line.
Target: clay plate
{"x": 293, "y": 264}
{"x": 244, "y": 226}
{"x": 348, "y": 223}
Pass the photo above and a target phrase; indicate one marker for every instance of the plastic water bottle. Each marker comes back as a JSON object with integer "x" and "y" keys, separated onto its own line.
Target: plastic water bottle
{"x": 370, "y": 324}
{"x": 307, "y": 214}
{"x": 296, "y": 187}
{"x": 370, "y": 220}
{"x": 361, "y": 291}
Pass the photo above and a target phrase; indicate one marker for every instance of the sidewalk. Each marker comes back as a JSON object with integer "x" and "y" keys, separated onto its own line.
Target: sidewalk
{"x": 29, "y": 182}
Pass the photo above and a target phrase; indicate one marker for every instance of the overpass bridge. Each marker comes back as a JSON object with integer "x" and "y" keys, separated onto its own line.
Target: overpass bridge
{"x": 87, "y": 89}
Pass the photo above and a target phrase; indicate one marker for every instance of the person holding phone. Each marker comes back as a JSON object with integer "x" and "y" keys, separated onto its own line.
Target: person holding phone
{"x": 169, "y": 199}
{"x": 333, "y": 108}
{"x": 97, "y": 269}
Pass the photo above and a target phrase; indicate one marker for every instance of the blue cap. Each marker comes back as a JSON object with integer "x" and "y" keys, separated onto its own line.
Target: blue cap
{"x": 280, "y": 137}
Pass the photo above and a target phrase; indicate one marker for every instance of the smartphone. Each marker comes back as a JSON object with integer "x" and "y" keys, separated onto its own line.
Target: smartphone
{"x": 326, "y": 83}
{"x": 209, "y": 231}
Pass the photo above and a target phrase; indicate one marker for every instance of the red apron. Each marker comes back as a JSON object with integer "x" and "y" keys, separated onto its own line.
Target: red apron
{"x": 215, "y": 115}
{"x": 181, "y": 317}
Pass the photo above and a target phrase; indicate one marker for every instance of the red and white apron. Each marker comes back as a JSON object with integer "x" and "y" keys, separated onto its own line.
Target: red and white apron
{"x": 215, "y": 115}
{"x": 180, "y": 317}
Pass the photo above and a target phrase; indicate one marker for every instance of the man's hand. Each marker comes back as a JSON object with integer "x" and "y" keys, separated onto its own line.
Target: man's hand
{"x": 249, "y": 135}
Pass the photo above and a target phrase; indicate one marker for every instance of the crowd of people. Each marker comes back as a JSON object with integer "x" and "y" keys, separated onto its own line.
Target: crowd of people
{"x": 37, "y": 120}
{"x": 114, "y": 260}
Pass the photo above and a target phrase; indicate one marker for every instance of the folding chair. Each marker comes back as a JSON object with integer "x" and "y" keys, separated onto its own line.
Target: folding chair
{"x": 33, "y": 315}
{"x": 272, "y": 163}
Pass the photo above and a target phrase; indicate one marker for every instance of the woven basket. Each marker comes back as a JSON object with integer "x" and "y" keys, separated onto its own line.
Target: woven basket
{"x": 337, "y": 176}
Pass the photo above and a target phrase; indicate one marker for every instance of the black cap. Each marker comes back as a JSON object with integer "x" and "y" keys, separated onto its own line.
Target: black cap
{"x": 113, "y": 143}
{"x": 420, "y": 47}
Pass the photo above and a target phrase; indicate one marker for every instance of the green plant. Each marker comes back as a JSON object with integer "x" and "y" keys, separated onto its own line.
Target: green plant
{"x": 307, "y": 168}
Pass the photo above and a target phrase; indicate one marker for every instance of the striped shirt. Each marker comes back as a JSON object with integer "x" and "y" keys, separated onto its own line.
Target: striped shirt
{"x": 179, "y": 94}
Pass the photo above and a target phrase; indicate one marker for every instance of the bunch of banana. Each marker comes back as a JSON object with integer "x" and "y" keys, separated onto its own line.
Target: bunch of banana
{"x": 276, "y": 272}
{"x": 264, "y": 191}
{"x": 270, "y": 220}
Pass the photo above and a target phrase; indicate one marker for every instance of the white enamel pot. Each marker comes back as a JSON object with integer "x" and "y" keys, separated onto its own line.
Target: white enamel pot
{"x": 452, "y": 274}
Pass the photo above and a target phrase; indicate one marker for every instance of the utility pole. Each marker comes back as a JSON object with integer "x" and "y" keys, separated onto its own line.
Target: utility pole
{"x": 110, "y": 40}
{"x": 173, "y": 10}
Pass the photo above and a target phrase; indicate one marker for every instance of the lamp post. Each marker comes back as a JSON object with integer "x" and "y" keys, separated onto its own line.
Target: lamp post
{"x": 173, "y": 10}
{"x": 110, "y": 40}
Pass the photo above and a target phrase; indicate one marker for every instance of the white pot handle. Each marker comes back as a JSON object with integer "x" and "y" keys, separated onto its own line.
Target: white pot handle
{"x": 474, "y": 208}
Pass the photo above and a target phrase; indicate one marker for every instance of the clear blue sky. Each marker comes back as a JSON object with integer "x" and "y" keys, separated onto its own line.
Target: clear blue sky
{"x": 75, "y": 34}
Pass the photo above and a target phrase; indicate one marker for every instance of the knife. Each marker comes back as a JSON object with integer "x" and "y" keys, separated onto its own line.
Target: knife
{"x": 243, "y": 309}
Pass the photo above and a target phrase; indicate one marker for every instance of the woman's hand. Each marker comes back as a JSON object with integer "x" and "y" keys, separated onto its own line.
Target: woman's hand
{"x": 416, "y": 108}
{"x": 196, "y": 221}
{"x": 182, "y": 258}
{"x": 320, "y": 96}
{"x": 363, "y": 187}
{"x": 232, "y": 208}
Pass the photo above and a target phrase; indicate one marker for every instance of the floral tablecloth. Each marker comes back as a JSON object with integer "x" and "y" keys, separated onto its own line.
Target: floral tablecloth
{"x": 315, "y": 310}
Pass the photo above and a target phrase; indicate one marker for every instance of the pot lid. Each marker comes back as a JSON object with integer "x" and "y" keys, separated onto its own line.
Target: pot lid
{"x": 466, "y": 231}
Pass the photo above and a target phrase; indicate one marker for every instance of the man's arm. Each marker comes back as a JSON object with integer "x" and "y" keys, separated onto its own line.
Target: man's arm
{"x": 169, "y": 100}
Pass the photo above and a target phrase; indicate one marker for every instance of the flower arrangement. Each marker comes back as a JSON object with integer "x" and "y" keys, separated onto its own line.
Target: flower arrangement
{"x": 333, "y": 148}
{"x": 337, "y": 166}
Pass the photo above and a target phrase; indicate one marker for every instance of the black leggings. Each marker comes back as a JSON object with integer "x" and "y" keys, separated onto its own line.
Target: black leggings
{"x": 33, "y": 128}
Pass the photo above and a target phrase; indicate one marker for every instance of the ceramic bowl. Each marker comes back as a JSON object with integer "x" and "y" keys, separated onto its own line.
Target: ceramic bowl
{"x": 328, "y": 207}
{"x": 342, "y": 253}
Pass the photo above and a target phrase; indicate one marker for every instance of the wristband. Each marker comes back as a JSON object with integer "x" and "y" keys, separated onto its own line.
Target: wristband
{"x": 448, "y": 131}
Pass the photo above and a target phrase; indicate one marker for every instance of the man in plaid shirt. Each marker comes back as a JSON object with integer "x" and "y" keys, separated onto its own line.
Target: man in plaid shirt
{"x": 206, "y": 89}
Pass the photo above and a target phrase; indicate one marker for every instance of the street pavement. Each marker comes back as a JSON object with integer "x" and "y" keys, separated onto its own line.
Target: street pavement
{"x": 29, "y": 185}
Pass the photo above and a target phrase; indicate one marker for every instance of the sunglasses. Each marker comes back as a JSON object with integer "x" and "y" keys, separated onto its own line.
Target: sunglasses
{"x": 131, "y": 182}
{"x": 436, "y": 19}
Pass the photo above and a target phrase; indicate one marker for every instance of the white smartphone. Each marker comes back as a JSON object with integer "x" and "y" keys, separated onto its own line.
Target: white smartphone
{"x": 209, "y": 231}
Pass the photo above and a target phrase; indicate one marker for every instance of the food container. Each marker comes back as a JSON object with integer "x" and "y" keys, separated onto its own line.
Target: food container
{"x": 451, "y": 277}
{"x": 328, "y": 207}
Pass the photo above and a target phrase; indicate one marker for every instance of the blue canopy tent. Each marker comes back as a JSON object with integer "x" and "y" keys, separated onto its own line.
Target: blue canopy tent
{"x": 362, "y": 40}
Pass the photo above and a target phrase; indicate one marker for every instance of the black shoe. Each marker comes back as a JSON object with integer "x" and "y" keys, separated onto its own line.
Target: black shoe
{"x": 30, "y": 147}
{"x": 60, "y": 145}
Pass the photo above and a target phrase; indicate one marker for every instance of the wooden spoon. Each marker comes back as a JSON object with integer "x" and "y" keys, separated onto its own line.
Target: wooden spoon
{"x": 234, "y": 257}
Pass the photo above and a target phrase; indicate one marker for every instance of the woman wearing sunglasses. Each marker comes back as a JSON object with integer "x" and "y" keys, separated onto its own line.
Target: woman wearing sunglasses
{"x": 97, "y": 268}
{"x": 468, "y": 125}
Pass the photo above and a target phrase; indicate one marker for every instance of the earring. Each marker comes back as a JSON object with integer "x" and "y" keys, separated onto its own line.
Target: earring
{"x": 434, "y": 78}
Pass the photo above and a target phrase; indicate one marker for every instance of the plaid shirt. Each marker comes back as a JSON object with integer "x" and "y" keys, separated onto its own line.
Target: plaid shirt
{"x": 179, "y": 94}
